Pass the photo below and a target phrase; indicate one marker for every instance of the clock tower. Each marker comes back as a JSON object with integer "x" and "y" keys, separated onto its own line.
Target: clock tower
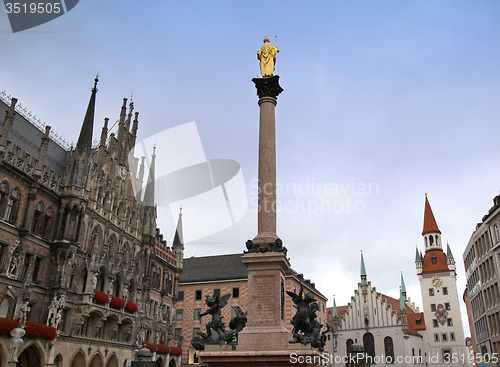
{"x": 438, "y": 283}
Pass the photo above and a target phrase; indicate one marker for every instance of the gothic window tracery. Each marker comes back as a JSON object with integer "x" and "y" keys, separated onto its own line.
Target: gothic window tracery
{"x": 12, "y": 206}
{"x": 36, "y": 226}
{"x": 4, "y": 194}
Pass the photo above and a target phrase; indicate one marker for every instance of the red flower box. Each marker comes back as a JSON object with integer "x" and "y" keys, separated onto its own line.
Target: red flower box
{"x": 35, "y": 330}
{"x": 176, "y": 351}
{"x": 101, "y": 297}
{"x": 117, "y": 302}
{"x": 7, "y": 325}
{"x": 131, "y": 307}
{"x": 163, "y": 349}
{"x": 150, "y": 346}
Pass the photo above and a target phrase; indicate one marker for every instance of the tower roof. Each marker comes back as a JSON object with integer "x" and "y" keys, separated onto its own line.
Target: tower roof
{"x": 149, "y": 193}
{"x": 403, "y": 287}
{"x": 438, "y": 264}
{"x": 335, "y": 315}
{"x": 448, "y": 251}
{"x": 418, "y": 257}
{"x": 363, "y": 271}
{"x": 430, "y": 225}
{"x": 178, "y": 237}
{"x": 85, "y": 138}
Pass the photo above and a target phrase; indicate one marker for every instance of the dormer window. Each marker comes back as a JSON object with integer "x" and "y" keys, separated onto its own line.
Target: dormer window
{"x": 434, "y": 259}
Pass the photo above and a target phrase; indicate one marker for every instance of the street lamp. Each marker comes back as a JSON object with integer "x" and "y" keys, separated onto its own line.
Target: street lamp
{"x": 16, "y": 341}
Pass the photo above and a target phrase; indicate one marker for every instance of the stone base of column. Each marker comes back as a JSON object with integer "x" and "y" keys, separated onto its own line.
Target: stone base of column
{"x": 265, "y": 238}
{"x": 294, "y": 355}
{"x": 263, "y": 338}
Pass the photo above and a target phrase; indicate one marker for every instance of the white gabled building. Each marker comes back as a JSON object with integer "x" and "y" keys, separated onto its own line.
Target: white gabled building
{"x": 388, "y": 328}
{"x": 392, "y": 329}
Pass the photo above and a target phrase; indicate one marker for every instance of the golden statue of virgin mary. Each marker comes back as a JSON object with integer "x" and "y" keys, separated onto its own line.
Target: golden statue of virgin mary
{"x": 267, "y": 57}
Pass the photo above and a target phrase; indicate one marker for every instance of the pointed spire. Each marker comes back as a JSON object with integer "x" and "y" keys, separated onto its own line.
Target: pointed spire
{"x": 121, "y": 125}
{"x": 402, "y": 296}
{"x": 178, "y": 237}
{"x": 149, "y": 193}
{"x": 85, "y": 138}
{"x": 418, "y": 257}
{"x": 335, "y": 313}
{"x": 363, "y": 270}
{"x": 430, "y": 225}
{"x": 403, "y": 287}
{"x": 448, "y": 251}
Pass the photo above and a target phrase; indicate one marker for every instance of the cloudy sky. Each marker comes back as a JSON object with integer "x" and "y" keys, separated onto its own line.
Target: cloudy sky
{"x": 383, "y": 101}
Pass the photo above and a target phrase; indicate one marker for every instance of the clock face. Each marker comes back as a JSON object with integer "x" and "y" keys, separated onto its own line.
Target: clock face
{"x": 437, "y": 282}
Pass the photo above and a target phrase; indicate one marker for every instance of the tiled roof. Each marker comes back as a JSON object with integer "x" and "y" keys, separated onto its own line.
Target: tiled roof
{"x": 430, "y": 225}
{"x": 210, "y": 268}
{"x": 440, "y": 265}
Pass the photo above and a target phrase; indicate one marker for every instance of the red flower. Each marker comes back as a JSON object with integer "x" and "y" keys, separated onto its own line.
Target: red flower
{"x": 131, "y": 307}
{"x": 150, "y": 346}
{"x": 176, "y": 351}
{"x": 35, "y": 330}
{"x": 163, "y": 349}
{"x": 101, "y": 297}
{"x": 117, "y": 302}
{"x": 7, "y": 325}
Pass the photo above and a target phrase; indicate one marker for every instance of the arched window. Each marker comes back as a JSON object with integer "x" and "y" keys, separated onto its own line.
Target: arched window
{"x": 12, "y": 206}
{"x": 133, "y": 219}
{"x": 47, "y": 222}
{"x": 79, "y": 180}
{"x": 94, "y": 240}
{"x": 369, "y": 344}
{"x": 37, "y": 218}
{"x": 348, "y": 345}
{"x": 148, "y": 224}
{"x": 4, "y": 194}
{"x": 120, "y": 210}
{"x": 84, "y": 280}
{"x": 389, "y": 349}
{"x": 431, "y": 239}
{"x": 100, "y": 196}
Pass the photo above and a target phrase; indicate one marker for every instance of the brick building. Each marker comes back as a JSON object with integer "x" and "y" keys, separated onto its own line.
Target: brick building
{"x": 221, "y": 275}
{"x": 79, "y": 247}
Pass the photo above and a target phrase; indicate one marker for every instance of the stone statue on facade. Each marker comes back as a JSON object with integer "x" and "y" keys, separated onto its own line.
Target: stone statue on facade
{"x": 306, "y": 328}
{"x": 267, "y": 57}
{"x": 55, "y": 310}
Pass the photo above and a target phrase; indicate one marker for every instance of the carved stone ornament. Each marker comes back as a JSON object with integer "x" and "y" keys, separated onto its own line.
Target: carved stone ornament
{"x": 268, "y": 87}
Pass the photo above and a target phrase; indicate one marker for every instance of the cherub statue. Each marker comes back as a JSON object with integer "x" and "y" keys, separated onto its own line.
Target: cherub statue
{"x": 301, "y": 321}
{"x": 215, "y": 305}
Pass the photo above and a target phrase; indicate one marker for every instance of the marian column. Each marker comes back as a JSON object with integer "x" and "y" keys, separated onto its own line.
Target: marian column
{"x": 266, "y": 259}
{"x": 268, "y": 89}
{"x": 265, "y": 339}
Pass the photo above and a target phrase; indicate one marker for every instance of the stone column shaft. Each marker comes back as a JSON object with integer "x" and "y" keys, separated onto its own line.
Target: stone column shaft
{"x": 268, "y": 90}
{"x": 267, "y": 170}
